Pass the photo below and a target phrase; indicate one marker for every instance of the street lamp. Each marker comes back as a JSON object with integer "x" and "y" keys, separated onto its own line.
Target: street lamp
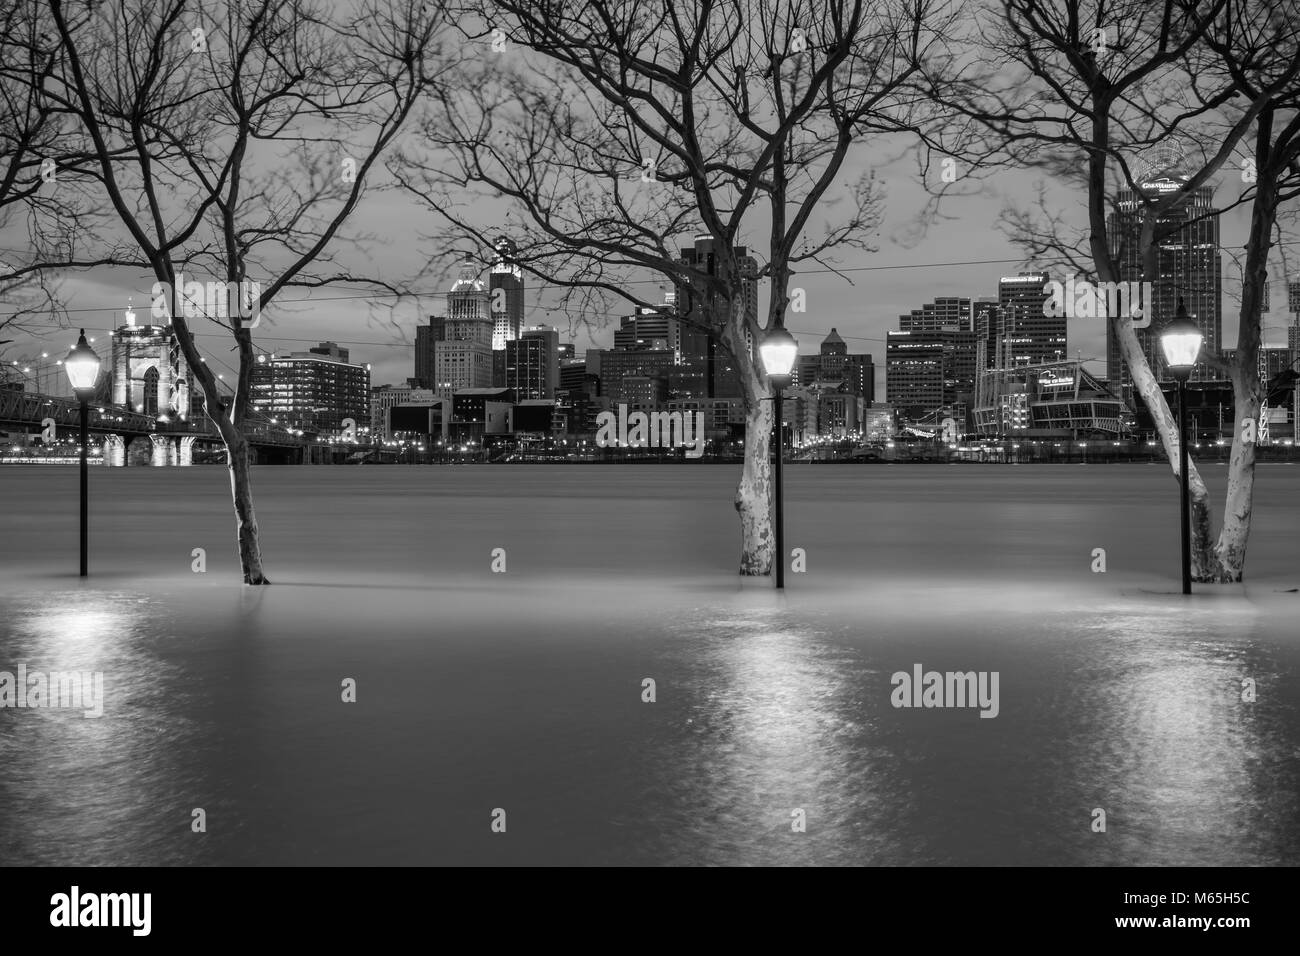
{"x": 1180, "y": 341}
{"x": 778, "y": 351}
{"x": 82, "y": 365}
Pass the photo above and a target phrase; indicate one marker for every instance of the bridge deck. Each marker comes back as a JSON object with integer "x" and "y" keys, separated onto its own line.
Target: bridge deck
{"x": 31, "y": 409}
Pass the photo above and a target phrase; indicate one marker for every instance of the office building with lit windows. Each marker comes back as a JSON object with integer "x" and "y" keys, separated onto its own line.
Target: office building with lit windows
{"x": 1189, "y": 265}
{"x": 316, "y": 390}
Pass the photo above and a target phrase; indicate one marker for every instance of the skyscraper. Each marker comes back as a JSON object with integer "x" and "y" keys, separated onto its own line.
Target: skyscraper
{"x": 656, "y": 328}
{"x": 507, "y": 303}
{"x": 1025, "y": 335}
{"x": 1293, "y": 306}
{"x": 625, "y": 372}
{"x": 699, "y": 343}
{"x": 1188, "y": 264}
{"x": 426, "y": 337}
{"x": 463, "y": 357}
{"x": 947, "y": 313}
{"x": 834, "y": 364}
{"x": 987, "y": 326}
{"x": 532, "y": 363}
{"x": 926, "y": 371}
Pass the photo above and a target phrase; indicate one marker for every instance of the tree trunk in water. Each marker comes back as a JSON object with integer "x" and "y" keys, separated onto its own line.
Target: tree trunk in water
{"x": 241, "y": 489}
{"x": 1248, "y": 391}
{"x": 1231, "y": 552}
{"x": 1205, "y": 561}
{"x": 754, "y": 495}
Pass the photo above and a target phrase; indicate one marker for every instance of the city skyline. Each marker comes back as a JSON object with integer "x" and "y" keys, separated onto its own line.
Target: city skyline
{"x": 958, "y": 274}
{"x": 960, "y": 329}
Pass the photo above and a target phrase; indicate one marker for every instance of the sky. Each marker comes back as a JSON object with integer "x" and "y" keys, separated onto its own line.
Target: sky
{"x": 963, "y": 254}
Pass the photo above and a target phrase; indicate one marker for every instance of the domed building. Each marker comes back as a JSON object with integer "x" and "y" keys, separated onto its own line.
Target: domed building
{"x": 462, "y": 358}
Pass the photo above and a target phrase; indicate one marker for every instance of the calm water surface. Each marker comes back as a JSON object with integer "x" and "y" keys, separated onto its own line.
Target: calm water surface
{"x": 522, "y": 690}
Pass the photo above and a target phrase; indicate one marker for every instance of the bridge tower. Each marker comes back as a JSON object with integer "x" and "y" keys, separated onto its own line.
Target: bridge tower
{"x": 150, "y": 374}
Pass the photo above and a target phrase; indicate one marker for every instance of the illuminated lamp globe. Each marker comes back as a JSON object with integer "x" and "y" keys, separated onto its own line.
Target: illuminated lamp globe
{"x": 1180, "y": 341}
{"x": 779, "y": 350}
{"x": 82, "y": 365}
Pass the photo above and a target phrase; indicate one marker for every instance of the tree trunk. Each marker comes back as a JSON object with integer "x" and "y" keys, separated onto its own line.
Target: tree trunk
{"x": 754, "y": 495}
{"x": 1205, "y": 563}
{"x": 1247, "y": 389}
{"x": 1205, "y": 560}
{"x": 1231, "y": 552}
{"x": 241, "y": 488}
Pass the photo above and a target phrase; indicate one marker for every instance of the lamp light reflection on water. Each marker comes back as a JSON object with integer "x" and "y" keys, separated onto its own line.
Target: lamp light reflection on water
{"x": 56, "y": 628}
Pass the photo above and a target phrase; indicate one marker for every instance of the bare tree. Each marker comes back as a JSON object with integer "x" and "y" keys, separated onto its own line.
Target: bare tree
{"x": 31, "y": 132}
{"x": 1084, "y": 89}
{"x": 1258, "y": 46}
{"x": 615, "y": 129}
{"x": 233, "y": 141}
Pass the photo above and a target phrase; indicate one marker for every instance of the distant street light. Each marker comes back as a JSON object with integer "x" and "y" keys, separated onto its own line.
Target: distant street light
{"x": 82, "y": 365}
{"x": 778, "y": 351}
{"x": 1180, "y": 340}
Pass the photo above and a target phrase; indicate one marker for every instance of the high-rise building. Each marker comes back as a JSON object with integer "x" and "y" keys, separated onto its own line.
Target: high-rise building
{"x": 1188, "y": 266}
{"x": 532, "y": 363}
{"x": 926, "y": 371}
{"x": 617, "y": 366}
{"x": 506, "y": 285}
{"x": 1025, "y": 334}
{"x": 316, "y": 390}
{"x": 987, "y": 325}
{"x": 947, "y": 313}
{"x": 860, "y": 376}
{"x": 463, "y": 357}
{"x": 426, "y": 338}
{"x": 834, "y": 364}
{"x": 688, "y": 380}
{"x": 699, "y": 341}
{"x": 1293, "y": 306}
{"x": 652, "y": 328}
{"x": 575, "y": 379}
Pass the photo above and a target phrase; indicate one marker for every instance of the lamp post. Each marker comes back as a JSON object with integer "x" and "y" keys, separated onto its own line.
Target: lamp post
{"x": 82, "y": 365}
{"x": 778, "y": 351}
{"x": 1180, "y": 341}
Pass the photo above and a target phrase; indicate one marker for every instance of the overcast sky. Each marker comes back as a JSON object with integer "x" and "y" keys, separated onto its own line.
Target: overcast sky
{"x": 898, "y": 278}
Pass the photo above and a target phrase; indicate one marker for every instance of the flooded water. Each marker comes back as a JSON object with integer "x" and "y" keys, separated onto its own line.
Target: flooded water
{"x": 522, "y": 691}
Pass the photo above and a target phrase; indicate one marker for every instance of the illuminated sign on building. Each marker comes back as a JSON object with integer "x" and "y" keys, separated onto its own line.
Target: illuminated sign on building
{"x": 1056, "y": 381}
{"x": 1164, "y": 185}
